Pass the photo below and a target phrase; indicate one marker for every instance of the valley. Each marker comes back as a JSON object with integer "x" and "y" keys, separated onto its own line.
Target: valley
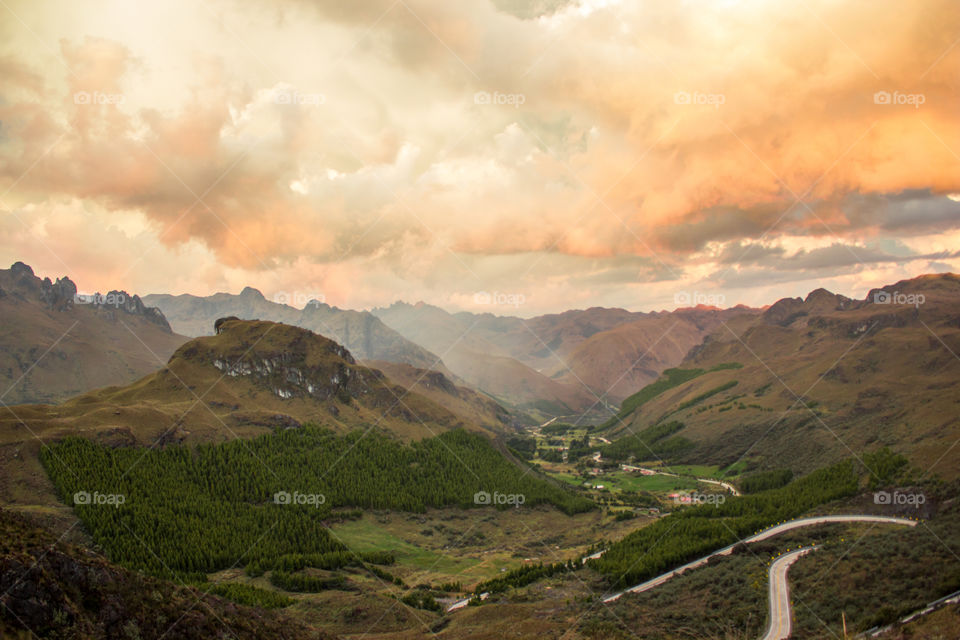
{"x": 479, "y": 320}
{"x": 264, "y": 465}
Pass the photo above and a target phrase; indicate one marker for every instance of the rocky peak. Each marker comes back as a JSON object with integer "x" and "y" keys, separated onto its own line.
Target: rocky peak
{"x": 291, "y": 362}
{"x": 783, "y": 311}
{"x": 823, "y": 300}
{"x": 59, "y": 295}
{"x": 250, "y": 292}
{"x": 20, "y": 269}
{"x": 116, "y": 301}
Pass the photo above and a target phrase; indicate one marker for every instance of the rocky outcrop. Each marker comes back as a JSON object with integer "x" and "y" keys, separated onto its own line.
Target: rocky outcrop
{"x": 62, "y": 296}
{"x": 58, "y": 296}
{"x": 219, "y": 323}
{"x": 130, "y": 304}
{"x": 302, "y": 364}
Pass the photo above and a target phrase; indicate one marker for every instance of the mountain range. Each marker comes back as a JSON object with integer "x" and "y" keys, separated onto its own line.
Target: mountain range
{"x": 562, "y": 363}
{"x": 556, "y": 364}
{"x": 361, "y": 332}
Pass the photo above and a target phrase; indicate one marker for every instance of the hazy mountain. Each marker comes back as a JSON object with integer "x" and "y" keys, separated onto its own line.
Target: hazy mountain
{"x": 824, "y": 376}
{"x": 569, "y": 359}
{"x": 621, "y": 360}
{"x": 464, "y": 342}
{"x": 361, "y": 332}
{"x": 470, "y": 405}
{"x": 55, "y": 343}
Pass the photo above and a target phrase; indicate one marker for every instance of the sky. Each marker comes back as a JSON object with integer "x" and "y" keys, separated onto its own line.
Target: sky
{"x": 513, "y": 156}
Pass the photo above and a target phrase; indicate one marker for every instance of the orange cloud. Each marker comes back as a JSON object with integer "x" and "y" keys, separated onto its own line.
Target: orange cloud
{"x": 323, "y": 134}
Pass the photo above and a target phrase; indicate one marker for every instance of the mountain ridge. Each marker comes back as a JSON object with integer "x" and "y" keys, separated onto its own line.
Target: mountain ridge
{"x": 57, "y": 342}
{"x": 822, "y": 376}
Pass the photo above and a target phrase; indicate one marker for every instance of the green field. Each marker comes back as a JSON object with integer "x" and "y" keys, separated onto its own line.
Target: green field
{"x": 569, "y": 478}
{"x": 367, "y": 535}
{"x": 623, "y": 481}
{"x": 708, "y": 471}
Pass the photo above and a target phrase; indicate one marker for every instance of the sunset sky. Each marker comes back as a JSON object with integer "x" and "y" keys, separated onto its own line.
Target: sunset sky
{"x": 570, "y": 153}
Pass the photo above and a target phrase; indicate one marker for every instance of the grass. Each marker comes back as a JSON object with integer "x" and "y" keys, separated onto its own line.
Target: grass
{"x": 708, "y": 471}
{"x": 569, "y": 478}
{"x": 366, "y": 535}
{"x": 671, "y": 378}
{"x": 624, "y": 481}
{"x": 668, "y": 380}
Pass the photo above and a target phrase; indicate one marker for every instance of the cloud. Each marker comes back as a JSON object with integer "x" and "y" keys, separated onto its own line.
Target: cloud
{"x": 387, "y": 142}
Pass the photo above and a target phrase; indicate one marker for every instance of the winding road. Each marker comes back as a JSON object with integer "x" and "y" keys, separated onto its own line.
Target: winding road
{"x": 780, "y": 619}
{"x": 761, "y": 535}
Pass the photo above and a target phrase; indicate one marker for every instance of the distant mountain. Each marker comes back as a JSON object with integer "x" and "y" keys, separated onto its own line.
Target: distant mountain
{"x": 361, "y": 332}
{"x": 463, "y": 401}
{"x": 563, "y": 363}
{"x": 619, "y": 361}
{"x": 467, "y": 348}
{"x": 250, "y": 377}
{"x": 56, "y": 343}
{"x": 821, "y": 377}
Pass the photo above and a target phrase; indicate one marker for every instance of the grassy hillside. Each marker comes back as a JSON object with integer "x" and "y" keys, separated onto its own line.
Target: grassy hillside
{"x": 668, "y": 380}
{"x": 822, "y": 377}
{"x": 250, "y": 377}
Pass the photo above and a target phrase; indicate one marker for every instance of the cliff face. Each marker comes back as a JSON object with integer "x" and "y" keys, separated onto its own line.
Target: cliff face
{"x": 288, "y": 372}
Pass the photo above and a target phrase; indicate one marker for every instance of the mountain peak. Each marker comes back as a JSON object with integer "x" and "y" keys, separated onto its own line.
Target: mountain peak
{"x": 18, "y": 268}
{"x": 250, "y": 292}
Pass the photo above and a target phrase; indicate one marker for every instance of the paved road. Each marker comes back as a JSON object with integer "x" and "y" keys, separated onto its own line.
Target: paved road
{"x": 761, "y": 535}
{"x": 780, "y": 623}
{"x": 726, "y": 485}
